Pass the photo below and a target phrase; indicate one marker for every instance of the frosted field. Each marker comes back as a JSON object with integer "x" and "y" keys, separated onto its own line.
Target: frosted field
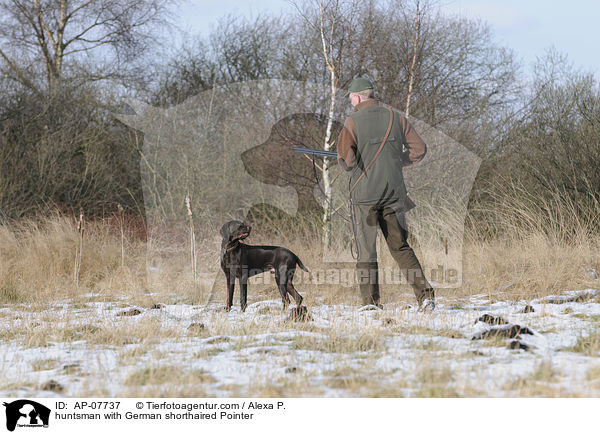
{"x": 107, "y": 347}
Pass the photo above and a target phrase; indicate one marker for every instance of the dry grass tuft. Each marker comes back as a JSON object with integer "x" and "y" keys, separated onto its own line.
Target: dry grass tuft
{"x": 337, "y": 341}
{"x": 542, "y": 382}
{"x": 593, "y": 374}
{"x": 44, "y": 364}
{"x": 168, "y": 374}
{"x": 435, "y": 382}
{"x": 587, "y": 345}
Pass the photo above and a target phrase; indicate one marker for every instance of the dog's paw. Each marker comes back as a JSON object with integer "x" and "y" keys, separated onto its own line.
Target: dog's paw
{"x": 299, "y": 314}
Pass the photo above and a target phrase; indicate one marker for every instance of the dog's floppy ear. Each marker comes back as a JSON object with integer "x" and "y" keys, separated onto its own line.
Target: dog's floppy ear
{"x": 225, "y": 230}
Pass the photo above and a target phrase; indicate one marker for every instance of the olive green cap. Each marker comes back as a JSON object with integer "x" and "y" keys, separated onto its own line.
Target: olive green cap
{"x": 359, "y": 84}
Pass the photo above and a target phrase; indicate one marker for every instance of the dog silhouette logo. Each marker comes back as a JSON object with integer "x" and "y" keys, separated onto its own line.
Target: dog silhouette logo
{"x": 26, "y": 413}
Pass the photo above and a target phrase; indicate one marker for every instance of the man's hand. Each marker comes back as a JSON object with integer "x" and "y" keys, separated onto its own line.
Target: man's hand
{"x": 405, "y": 156}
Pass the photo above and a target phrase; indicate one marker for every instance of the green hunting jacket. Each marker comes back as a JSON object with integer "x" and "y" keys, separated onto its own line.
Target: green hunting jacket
{"x": 358, "y": 143}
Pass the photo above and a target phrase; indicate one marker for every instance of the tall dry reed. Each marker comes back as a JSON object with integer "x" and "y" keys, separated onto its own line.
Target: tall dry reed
{"x": 520, "y": 246}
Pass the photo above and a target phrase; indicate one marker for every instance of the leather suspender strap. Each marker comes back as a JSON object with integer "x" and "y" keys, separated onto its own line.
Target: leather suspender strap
{"x": 378, "y": 151}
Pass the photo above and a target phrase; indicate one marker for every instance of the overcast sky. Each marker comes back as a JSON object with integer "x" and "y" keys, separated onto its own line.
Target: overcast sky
{"x": 529, "y": 27}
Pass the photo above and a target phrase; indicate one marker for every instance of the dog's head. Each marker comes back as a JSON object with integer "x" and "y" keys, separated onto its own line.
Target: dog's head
{"x": 275, "y": 162}
{"x": 235, "y": 230}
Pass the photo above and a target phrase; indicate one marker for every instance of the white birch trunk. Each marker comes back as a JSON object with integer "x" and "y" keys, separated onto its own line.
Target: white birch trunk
{"x": 326, "y": 163}
{"x": 326, "y": 183}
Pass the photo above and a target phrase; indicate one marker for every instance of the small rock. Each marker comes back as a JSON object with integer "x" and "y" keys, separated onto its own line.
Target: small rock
{"x": 572, "y": 297}
{"x": 389, "y": 321}
{"x": 528, "y": 309}
{"x": 196, "y": 327}
{"x": 507, "y": 331}
{"x": 130, "y": 312}
{"x": 492, "y": 320}
{"x": 71, "y": 369}
{"x": 518, "y": 345}
{"x": 158, "y": 306}
{"x": 370, "y": 307}
{"x": 217, "y": 340}
{"x": 52, "y": 386}
{"x": 300, "y": 314}
{"x": 263, "y": 350}
{"x": 291, "y": 370}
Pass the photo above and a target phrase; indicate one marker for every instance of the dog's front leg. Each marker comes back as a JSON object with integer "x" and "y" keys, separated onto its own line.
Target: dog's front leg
{"x": 244, "y": 289}
{"x": 230, "y": 289}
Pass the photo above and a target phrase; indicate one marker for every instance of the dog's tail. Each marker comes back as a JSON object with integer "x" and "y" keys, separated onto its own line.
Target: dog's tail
{"x": 301, "y": 265}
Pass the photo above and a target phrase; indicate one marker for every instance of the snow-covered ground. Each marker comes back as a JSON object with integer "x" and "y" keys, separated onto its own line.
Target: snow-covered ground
{"x": 86, "y": 348}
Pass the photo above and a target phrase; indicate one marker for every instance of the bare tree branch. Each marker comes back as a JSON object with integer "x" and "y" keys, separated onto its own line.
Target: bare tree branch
{"x": 50, "y": 26}
{"x": 19, "y": 73}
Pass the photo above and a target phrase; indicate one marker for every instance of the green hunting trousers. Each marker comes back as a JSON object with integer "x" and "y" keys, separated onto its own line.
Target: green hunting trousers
{"x": 392, "y": 222}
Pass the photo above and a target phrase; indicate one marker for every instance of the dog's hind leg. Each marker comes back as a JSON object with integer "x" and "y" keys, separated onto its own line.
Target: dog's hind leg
{"x": 281, "y": 285}
{"x": 294, "y": 293}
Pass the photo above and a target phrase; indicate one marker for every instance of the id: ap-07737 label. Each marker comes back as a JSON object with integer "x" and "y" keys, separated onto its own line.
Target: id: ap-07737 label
{"x": 89, "y": 405}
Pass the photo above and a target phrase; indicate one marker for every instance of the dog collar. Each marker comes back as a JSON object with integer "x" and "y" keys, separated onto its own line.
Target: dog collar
{"x": 228, "y": 248}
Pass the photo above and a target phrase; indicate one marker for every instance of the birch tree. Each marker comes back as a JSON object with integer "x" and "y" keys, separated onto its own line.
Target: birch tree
{"x": 415, "y": 45}
{"x": 336, "y": 22}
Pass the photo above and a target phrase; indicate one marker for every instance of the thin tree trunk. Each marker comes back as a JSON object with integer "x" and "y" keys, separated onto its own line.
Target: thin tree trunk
{"x": 121, "y": 223}
{"x": 327, "y": 146}
{"x": 411, "y": 73}
{"x": 326, "y": 162}
{"x": 78, "y": 250}
{"x": 193, "y": 255}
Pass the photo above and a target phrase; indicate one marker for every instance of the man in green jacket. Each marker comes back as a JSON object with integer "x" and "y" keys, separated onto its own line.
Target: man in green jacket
{"x": 372, "y": 145}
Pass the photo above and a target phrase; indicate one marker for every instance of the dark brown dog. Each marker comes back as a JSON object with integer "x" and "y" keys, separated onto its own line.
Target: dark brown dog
{"x": 243, "y": 261}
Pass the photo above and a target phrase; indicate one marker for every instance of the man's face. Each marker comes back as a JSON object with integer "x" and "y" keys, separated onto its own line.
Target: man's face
{"x": 354, "y": 99}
